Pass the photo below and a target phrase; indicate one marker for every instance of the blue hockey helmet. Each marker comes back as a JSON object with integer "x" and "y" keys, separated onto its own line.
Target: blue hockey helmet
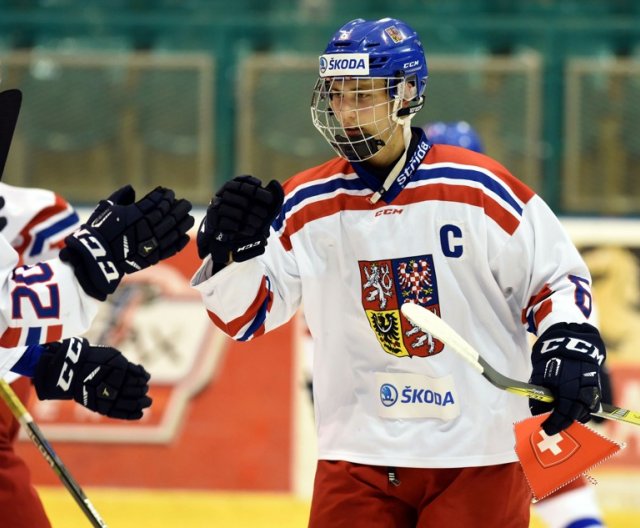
{"x": 458, "y": 133}
{"x": 393, "y": 50}
{"x": 370, "y": 49}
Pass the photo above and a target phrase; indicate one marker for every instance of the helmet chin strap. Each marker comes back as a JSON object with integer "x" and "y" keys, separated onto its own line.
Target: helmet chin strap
{"x": 405, "y": 123}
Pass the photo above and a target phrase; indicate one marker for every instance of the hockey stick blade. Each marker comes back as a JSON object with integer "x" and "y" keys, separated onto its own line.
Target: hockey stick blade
{"x": 10, "y": 101}
{"x": 35, "y": 434}
{"x": 430, "y": 323}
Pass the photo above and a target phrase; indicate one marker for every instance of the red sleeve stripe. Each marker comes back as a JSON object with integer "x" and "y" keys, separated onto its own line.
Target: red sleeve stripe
{"x": 60, "y": 205}
{"x": 544, "y": 293}
{"x": 54, "y": 333}
{"x": 543, "y": 311}
{"x": 532, "y": 316}
{"x": 233, "y": 327}
{"x": 10, "y": 338}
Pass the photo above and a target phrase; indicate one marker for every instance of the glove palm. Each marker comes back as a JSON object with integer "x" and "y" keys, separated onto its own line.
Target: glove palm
{"x": 238, "y": 219}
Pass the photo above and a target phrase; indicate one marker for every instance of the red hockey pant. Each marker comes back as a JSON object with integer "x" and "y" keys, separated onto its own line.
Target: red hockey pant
{"x": 20, "y": 506}
{"x": 348, "y": 495}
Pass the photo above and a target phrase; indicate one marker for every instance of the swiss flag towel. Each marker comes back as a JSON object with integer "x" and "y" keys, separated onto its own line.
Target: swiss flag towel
{"x": 550, "y": 462}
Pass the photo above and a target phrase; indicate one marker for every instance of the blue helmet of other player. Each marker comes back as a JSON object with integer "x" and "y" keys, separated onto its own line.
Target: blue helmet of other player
{"x": 364, "y": 61}
{"x": 459, "y": 134}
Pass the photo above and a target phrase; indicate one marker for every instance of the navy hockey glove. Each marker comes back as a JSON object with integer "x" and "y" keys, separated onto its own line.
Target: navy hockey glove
{"x": 568, "y": 359}
{"x": 236, "y": 226}
{"x": 100, "y": 378}
{"x": 3, "y": 219}
{"x": 606, "y": 390}
{"x": 124, "y": 236}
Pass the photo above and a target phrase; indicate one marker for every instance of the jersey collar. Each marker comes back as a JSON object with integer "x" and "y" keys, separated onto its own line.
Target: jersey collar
{"x": 418, "y": 149}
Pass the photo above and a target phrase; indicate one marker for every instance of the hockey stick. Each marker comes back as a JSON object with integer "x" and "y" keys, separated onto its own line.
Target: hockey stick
{"x": 430, "y": 323}
{"x": 34, "y": 432}
{"x": 10, "y": 101}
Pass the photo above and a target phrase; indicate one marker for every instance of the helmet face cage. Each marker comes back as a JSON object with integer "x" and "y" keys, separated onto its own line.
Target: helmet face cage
{"x": 357, "y": 116}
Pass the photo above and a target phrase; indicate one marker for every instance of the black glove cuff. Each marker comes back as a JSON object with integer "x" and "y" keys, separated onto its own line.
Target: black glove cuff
{"x": 90, "y": 268}
{"x": 45, "y": 384}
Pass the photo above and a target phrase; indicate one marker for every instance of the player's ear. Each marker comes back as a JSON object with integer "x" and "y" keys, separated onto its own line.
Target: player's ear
{"x": 407, "y": 90}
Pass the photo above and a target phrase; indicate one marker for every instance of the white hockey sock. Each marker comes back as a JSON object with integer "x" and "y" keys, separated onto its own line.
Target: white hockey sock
{"x": 577, "y": 508}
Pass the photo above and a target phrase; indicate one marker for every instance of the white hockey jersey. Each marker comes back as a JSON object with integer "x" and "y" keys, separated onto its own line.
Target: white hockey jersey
{"x": 40, "y": 301}
{"x": 456, "y": 233}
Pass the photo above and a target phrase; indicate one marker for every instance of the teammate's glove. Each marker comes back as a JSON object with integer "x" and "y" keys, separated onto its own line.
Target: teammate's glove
{"x": 568, "y": 359}
{"x": 3, "y": 219}
{"x": 100, "y": 378}
{"x": 236, "y": 226}
{"x": 123, "y": 236}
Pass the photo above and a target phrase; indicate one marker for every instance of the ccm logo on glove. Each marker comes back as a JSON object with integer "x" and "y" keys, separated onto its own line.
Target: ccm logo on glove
{"x": 574, "y": 344}
{"x": 99, "y": 253}
{"x": 98, "y": 377}
{"x": 71, "y": 358}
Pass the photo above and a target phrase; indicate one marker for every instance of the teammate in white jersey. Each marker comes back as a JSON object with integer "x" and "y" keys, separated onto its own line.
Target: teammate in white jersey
{"x": 408, "y": 434}
{"x": 50, "y": 300}
{"x": 35, "y": 222}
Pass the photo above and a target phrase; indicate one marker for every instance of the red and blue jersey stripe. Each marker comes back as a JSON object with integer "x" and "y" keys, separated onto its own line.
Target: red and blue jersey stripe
{"x": 449, "y": 174}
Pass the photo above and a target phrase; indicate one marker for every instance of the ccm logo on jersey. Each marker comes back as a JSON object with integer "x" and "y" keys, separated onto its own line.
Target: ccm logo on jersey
{"x": 389, "y": 211}
{"x": 574, "y": 344}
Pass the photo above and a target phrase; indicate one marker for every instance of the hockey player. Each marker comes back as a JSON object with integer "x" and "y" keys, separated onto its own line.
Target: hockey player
{"x": 47, "y": 300}
{"x": 574, "y": 505}
{"x": 35, "y": 222}
{"x": 408, "y": 435}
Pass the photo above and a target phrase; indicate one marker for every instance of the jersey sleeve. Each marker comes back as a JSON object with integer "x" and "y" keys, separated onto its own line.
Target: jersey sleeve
{"x": 41, "y": 302}
{"x": 8, "y": 358}
{"x": 542, "y": 273}
{"x": 38, "y": 220}
{"x": 247, "y": 299}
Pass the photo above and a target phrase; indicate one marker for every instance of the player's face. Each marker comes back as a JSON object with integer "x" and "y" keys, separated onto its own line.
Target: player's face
{"x": 357, "y": 117}
{"x": 362, "y": 106}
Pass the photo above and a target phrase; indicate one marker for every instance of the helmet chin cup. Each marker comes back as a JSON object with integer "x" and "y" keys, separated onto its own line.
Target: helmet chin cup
{"x": 357, "y": 150}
